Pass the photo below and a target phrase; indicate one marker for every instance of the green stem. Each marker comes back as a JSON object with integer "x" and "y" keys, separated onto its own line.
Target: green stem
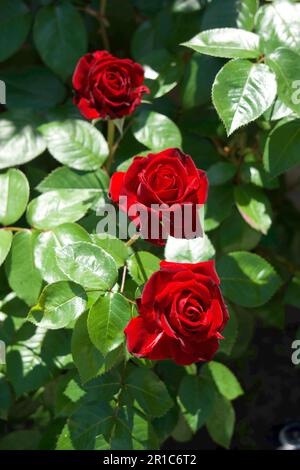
{"x": 16, "y": 229}
{"x": 133, "y": 239}
{"x": 110, "y": 139}
{"x": 123, "y": 279}
{"x": 102, "y": 22}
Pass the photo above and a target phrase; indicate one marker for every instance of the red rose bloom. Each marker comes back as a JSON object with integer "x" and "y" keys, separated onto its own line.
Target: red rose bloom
{"x": 162, "y": 185}
{"x": 181, "y": 314}
{"x": 106, "y": 86}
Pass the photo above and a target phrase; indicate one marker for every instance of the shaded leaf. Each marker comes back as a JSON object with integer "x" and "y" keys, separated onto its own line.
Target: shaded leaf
{"x": 145, "y": 387}
{"x": 106, "y": 322}
{"x": 220, "y": 424}
{"x": 60, "y": 28}
{"x": 247, "y": 279}
{"x": 141, "y": 265}
{"x": 282, "y": 146}
{"x": 20, "y": 141}
{"x": 196, "y": 398}
{"x": 14, "y": 24}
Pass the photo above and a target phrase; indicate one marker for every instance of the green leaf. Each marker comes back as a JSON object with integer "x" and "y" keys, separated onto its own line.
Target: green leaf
{"x": 57, "y": 207}
{"x": 14, "y": 25}
{"x": 65, "y": 178}
{"x": 247, "y": 279}
{"x": 162, "y": 72}
{"x": 87, "y": 358}
{"x": 225, "y": 380}
{"x": 5, "y": 244}
{"x": 92, "y": 415}
{"x": 278, "y": 111}
{"x": 75, "y": 143}
{"x": 253, "y": 172}
{"x": 164, "y": 426}
{"x": 189, "y": 251}
{"x": 230, "y": 43}
{"x": 242, "y": 91}
{"x": 198, "y": 79}
{"x": 23, "y": 277}
{"x": 141, "y": 265}
{"x": 285, "y": 64}
{"x": 220, "y": 424}
{"x": 59, "y": 304}
{"x": 292, "y": 293}
{"x": 156, "y": 131}
{"x": 20, "y": 141}
{"x": 219, "y": 205}
{"x": 236, "y": 234}
{"x": 33, "y": 87}
{"x": 218, "y": 14}
{"x": 46, "y": 244}
{"x": 272, "y": 314}
{"x": 14, "y": 190}
{"x": 6, "y": 398}
{"x": 88, "y": 265}
{"x": 67, "y": 441}
{"x": 246, "y": 13}
{"x": 230, "y": 334}
{"x": 26, "y": 368}
{"x": 145, "y": 387}
{"x": 112, "y": 245}
{"x": 186, "y": 6}
{"x": 73, "y": 391}
{"x": 220, "y": 173}
{"x": 20, "y": 440}
{"x": 60, "y": 37}
{"x": 282, "y": 147}
{"x": 93, "y": 426}
{"x": 106, "y": 322}
{"x": 254, "y": 206}
{"x": 196, "y": 398}
{"x": 279, "y": 25}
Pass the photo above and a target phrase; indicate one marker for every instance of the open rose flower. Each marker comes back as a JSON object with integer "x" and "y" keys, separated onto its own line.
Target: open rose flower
{"x": 181, "y": 314}
{"x": 106, "y": 86}
{"x": 162, "y": 193}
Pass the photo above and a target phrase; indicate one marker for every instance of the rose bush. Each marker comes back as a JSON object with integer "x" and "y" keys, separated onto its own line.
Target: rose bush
{"x": 175, "y": 103}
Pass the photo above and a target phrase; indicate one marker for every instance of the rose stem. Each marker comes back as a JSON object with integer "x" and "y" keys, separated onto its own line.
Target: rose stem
{"x": 123, "y": 279}
{"x": 103, "y": 32}
{"x": 133, "y": 239}
{"x": 110, "y": 139}
{"x": 16, "y": 229}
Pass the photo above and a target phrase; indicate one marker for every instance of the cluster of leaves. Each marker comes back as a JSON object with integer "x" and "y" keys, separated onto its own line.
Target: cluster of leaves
{"x": 68, "y": 382}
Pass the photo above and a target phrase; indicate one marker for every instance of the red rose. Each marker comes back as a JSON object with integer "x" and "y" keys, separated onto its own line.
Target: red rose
{"x": 181, "y": 314}
{"x": 162, "y": 185}
{"x": 106, "y": 86}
